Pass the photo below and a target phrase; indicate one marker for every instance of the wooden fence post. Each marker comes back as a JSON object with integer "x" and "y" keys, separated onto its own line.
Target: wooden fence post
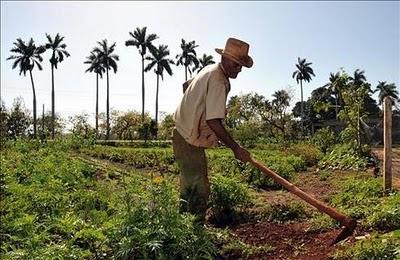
{"x": 387, "y": 142}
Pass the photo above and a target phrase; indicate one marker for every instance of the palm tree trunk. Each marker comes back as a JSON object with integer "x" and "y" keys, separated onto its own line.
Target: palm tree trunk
{"x": 185, "y": 73}
{"x": 34, "y": 105}
{"x": 142, "y": 88}
{"x": 302, "y": 108}
{"x": 97, "y": 105}
{"x": 52, "y": 103}
{"x": 43, "y": 135}
{"x": 158, "y": 76}
{"x": 108, "y": 109}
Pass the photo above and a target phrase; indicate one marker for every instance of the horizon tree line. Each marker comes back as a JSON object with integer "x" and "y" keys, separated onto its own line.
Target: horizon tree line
{"x": 102, "y": 59}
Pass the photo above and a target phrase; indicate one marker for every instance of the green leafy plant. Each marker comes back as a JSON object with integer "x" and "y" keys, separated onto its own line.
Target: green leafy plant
{"x": 228, "y": 194}
{"x": 375, "y": 247}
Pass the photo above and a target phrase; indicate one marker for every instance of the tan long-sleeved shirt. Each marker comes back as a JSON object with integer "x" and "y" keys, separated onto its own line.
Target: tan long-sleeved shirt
{"x": 204, "y": 99}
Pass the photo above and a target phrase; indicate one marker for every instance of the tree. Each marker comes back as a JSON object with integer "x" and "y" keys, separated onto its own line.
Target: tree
{"x": 81, "y": 126}
{"x": 3, "y": 121}
{"x": 205, "y": 61}
{"x": 18, "y": 120}
{"x": 126, "y": 125}
{"x": 161, "y": 62}
{"x": 57, "y": 56}
{"x": 188, "y": 57}
{"x": 108, "y": 61}
{"x": 27, "y": 56}
{"x": 303, "y": 72}
{"x": 334, "y": 88}
{"x": 142, "y": 42}
{"x": 46, "y": 124}
{"x": 166, "y": 126}
{"x": 386, "y": 90}
{"x": 97, "y": 67}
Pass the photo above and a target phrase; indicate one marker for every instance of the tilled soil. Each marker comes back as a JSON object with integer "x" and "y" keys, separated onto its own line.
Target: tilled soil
{"x": 289, "y": 240}
{"x": 294, "y": 239}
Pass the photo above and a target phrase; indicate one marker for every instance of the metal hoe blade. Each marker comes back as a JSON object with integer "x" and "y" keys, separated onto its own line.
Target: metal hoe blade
{"x": 346, "y": 232}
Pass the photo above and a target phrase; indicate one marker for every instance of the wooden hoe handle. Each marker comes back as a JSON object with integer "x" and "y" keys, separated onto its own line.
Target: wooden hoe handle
{"x": 320, "y": 206}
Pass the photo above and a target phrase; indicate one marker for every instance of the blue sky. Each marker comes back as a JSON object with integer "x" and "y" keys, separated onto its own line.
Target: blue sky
{"x": 331, "y": 35}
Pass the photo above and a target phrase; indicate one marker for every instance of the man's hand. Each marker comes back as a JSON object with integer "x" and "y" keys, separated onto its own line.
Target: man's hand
{"x": 220, "y": 131}
{"x": 242, "y": 154}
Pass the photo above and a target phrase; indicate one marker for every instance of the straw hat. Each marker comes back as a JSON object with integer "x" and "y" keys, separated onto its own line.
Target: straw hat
{"x": 237, "y": 51}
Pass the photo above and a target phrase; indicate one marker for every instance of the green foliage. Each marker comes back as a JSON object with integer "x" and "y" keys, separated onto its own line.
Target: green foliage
{"x": 55, "y": 206}
{"x": 228, "y": 194}
{"x": 358, "y": 195}
{"x": 154, "y": 228}
{"x": 386, "y": 215}
{"x": 324, "y": 138}
{"x": 343, "y": 157}
{"x": 310, "y": 153}
{"x": 364, "y": 199}
{"x": 284, "y": 212}
{"x": 228, "y": 243}
{"x": 321, "y": 222}
{"x": 246, "y": 134}
{"x": 375, "y": 247}
{"x": 136, "y": 143}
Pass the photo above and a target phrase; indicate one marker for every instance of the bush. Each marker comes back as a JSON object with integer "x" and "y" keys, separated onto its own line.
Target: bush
{"x": 246, "y": 135}
{"x": 228, "y": 194}
{"x": 282, "y": 212}
{"x": 358, "y": 196}
{"x": 54, "y": 207}
{"x": 386, "y": 215}
{"x": 261, "y": 180}
{"x": 308, "y": 152}
{"x": 155, "y": 229}
{"x": 324, "y": 138}
{"x": 343, "y": 157}
{"x": 375, "y": 247}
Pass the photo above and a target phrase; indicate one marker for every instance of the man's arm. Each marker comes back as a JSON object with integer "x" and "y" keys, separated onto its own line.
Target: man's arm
{"x": 220, "y": 131}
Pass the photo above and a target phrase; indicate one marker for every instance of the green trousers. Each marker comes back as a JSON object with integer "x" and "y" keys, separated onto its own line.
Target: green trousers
{"x": 194, "y": 184}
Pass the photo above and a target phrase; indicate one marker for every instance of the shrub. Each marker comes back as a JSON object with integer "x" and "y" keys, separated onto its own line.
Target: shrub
{"x": 155, "y": 229}
{"x": 386, "y": 215}
{"x": 343, "y": 157}
{"x": 284, "y": 212}
{"x": 228, "y": 194}
{"x": 260, "y": 180}
{"x": 375, "y": 247}
{"x": 324, "y": 138}
{"x": 308, "y": 152}
{"x": 358, "y": 196}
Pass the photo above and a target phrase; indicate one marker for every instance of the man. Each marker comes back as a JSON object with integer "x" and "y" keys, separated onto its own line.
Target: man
{"x": 198, "y": 124}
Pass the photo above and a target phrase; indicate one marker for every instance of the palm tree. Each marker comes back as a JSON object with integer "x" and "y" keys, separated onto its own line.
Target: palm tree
{"x": 303, "y": 72}
{"x": 58, "y": 53}
{"x": 188, "y": 56}
{"x": 99, "y": 69}
{"x": 109, "y": 61}
{"x": 27, "y": 57}
{"x": 386, "y": 90}
{"x": 205, "y": 61}
{"x": 334, "y": 88}
{"x": 359, "y": 78}
{"x": 159, "y": 59}
{"x": 142, "y": 42}
{"x": 357, "y": 81}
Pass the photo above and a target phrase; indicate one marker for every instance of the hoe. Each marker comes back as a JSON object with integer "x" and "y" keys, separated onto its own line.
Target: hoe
{"x": 348, "y": 223}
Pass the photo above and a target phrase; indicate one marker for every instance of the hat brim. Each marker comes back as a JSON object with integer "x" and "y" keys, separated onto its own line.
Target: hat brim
{"x": 247, "y": 61}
